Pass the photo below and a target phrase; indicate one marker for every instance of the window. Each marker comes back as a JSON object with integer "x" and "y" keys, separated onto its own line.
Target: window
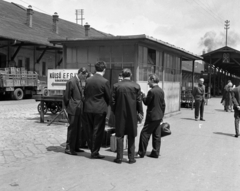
{"x": 147, "y": 62}
{"x": 20, "y": 63}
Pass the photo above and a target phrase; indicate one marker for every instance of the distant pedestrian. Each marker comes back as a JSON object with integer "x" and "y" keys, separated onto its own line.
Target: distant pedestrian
{"x": 155, "y": 103}
{"x": 199, "y": 97}
{"x": 73, "y": 100}
{"x": 126, "y": 104}
{"x": 227, "y": 97}
{"x": 236, "y": 107}
{"x": 97, "y": 98}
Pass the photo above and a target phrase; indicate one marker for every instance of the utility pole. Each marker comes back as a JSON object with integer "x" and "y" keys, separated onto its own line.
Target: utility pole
{"x": 227, "y": 24}
{"x": 79, "y": 12}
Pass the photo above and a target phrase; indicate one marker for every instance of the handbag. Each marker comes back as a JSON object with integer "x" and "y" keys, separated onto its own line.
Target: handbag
{"x": 165, "y": 129}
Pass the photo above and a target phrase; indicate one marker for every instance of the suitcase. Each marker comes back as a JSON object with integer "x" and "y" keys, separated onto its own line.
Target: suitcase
{"x": 113, "y": 143}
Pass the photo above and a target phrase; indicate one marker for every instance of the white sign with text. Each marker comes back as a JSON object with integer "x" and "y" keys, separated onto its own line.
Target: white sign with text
{"x": 57, "y": 78}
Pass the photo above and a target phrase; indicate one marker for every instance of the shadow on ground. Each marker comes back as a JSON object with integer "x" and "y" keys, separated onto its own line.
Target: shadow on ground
{"x": 220, "y": 110}
{"x": 226, "y": 134}
{"x": 192, "y": 119}
{"x": 57, "y": 149}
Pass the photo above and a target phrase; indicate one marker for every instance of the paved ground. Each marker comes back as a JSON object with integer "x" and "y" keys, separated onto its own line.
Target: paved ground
{"x": 197, "y": 156}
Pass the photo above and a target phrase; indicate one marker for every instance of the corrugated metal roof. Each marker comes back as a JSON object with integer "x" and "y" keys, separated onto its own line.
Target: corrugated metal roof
{"x": 13, "y": 26}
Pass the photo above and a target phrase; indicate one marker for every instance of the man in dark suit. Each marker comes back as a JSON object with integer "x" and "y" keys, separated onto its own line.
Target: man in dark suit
{"x": 199, "y": 97}
{"x": 155, "y": 103}
{"x": 126, "y": 104}
{"x": 236, "y": 107}
{"x": 97, "y": 98}
{"x": 73, "y": 100}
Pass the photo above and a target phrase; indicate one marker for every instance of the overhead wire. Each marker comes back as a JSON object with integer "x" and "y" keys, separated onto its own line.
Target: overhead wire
{"x": 209, "y": 13}
{"x": 210, "y": 9}
{"x": 34, "y": 6}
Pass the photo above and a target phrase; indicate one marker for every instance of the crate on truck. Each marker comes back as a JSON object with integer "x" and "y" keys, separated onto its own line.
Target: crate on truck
{"x": 17, "y": 82}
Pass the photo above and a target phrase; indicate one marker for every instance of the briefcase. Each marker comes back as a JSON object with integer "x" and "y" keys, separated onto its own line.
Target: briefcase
{"x": 106, "y": 137}
{"x": 165, "y": 129}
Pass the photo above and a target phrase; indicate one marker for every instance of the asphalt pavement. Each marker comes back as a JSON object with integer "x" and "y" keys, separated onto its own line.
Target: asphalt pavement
{"x": 198, "y": 156}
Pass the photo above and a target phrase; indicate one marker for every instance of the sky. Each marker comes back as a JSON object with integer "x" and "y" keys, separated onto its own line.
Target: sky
{"x": 195, "y": 25}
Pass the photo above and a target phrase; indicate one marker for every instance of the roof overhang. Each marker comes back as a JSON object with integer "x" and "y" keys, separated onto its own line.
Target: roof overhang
{"x": 225, "y": 58}
{"x": 185, "y": 55}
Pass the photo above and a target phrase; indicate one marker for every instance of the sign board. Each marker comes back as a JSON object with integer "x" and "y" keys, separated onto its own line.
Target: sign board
{"x": 57, "y": 78}
{"x": 226, "y": 58}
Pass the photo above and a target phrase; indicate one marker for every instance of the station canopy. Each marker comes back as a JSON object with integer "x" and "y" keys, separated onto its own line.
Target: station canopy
{"x": 225, "y": 58}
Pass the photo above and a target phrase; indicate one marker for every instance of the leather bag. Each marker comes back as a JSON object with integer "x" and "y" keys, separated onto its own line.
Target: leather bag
{"x": 165, "y": 129}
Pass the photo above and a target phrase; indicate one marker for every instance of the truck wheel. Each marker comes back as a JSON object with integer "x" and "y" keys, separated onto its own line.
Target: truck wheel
{"x": 44, "y": 108}
{"x": 18, "y": 94}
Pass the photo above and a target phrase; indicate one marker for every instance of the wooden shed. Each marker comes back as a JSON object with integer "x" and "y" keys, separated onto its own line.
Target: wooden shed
{"x": 141, "y": 53}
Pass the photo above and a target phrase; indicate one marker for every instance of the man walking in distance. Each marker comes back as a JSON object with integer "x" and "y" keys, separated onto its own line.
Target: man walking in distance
{"x": 236, "y": 107}
{"x": 73, "y": 100}
{"x": 126, "y": 104}
{"x": 97, "y": 98}
{"x": 155, "y": 111}
{"x": 199, "y": 97}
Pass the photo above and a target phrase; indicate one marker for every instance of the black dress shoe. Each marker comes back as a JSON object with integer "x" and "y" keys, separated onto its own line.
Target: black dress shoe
{"x": 79, "y": 150}
{"x": 97, "y": 156}
{"x": 152, "y": 156}
{"x": 236, "y": 136}
{"x": 119, "y": 161}
{"x": 70, "y": 152}
{"x": 131, "y": 161}
{"x": 196, "y": 119}
{"x": 202, "y": 119}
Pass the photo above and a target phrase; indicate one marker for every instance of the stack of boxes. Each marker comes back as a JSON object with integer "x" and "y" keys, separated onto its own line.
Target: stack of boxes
{"x": 17, "y": 77}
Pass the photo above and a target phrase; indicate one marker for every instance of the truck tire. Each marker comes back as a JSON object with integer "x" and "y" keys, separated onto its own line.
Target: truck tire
{"x": 18, "y": 94}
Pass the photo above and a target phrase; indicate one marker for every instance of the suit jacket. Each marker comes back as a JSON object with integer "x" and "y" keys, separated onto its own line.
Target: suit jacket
{"x": 155, "y": 103}
{"x": 199, "y": 93}
{"x": 73, "y": 97}
{"x": 97, "y": 94}
{"x": 126, "y": 103}
{"x": 236, "y": 97}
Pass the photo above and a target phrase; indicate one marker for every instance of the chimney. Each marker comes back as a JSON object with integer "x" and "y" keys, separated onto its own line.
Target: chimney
{"x": 55, "y": 23}
{"x": 29, "y": 16}
{"x": 87, "y": 28}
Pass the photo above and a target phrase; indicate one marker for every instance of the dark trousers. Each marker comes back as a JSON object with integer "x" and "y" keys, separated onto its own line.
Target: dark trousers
{"x": 150, "y": 128}
{"x": 131, "y": 147}
{"x": 95, "y": 125}
{"x": 199, "y": 106}
{"x": 73, "y": 132}
{"x": 237, "y": 117}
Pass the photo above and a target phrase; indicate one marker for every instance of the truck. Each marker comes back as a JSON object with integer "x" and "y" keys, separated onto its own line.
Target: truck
{"x": 17, "y": 83}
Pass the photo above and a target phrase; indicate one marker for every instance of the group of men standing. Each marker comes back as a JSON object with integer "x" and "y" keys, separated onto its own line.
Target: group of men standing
{"x": 87, "y": 109}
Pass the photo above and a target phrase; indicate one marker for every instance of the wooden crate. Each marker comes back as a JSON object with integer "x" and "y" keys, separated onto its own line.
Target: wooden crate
{"x": 22, "y": 69}
{"x": 12, "y": 70}
{"x": 7, "y": 76}
{"x": 23, "y": 82}
{"x": 17, "y": 82}
{"x": 18, "y": 70}
{"x": 23, "y": 76}
{"x": 8, "y": 83}
{"x": 7, "y": 70}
